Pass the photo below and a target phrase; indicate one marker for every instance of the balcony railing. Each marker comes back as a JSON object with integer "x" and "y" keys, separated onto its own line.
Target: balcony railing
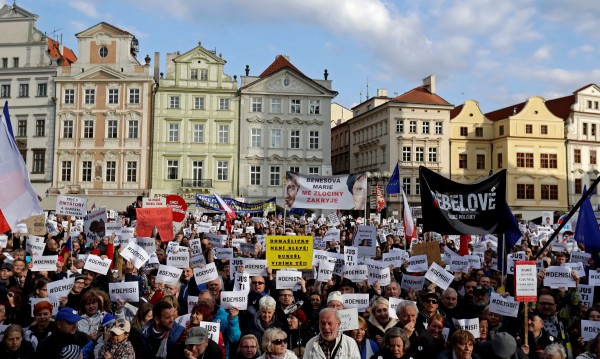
{"x": 196, "y": 183}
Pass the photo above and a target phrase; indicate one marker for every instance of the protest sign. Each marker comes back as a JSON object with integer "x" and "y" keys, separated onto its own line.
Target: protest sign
{"x": 503, "y": 306}
{"x": 71, "y": 206}
{"x": 180, "y": 258}
{"x": 113, "y": 228}
{"x": 35, "y": 245}
{"x": 224, "y": 253}
{"x": 127, "y": 291}
{"x": 356, "y": 273}
{"x": 412, "y": 282}
{"x": 168, "y": 275}
{"x": 248, "y": 249}
{"x": 235, "y": 299}
{"x": 3, "y": 240}
{"x": 395, "y": 257}
{"x": 586, "y": 294}
{"x": 206, "y": 274}
{"x": 594, "y": 278}
{"x": 589, "y": 329}
{"x": 148, "y": 243}
{"x": 255, "y": 266}
{"x": 417, "y": 264}
{"x": 332, "y": 234}
{"x": 350, "y": 256}
{"x": 36, "y": 225}
{"x": 96, "y": 264}
{"x": 365, "y": 238}
{"x": 125, "y": 235}
{"x": 213, "y": 330}
{"x": 326, "y": 192}
{"x": 44, "y": 263}
{"x": 333, "y": 219}
{"x": 287, "y": 279}
{"x": 60, "y": 288}
{"x": 559, "y": 277}
{"x": 153, "y": 202}
{"x": 430, "y": 249}
{"x": 325, "y": 271}
{"x": 241, "y": 282}
{"x": 192, "y": 300}
{"x": 439, "y": 276}
{"x": 338, "y": 260}
{"x": 382, "y": 276}
{"x": 459, "y": 264}
{"x": 475, "y": 261}
{"x": 577, "y": 267}
{"x": 136, "y": 254}
{"x": 319, "y": 256}
{"x": 470, "y": 325}
{"x": 525, "y": 281}
{"x": 148, "y": 218}
{"x": 203, "y": 227}
{"x": 511, "y": 258}
{"x": 393, "y": 305}
{"x": 359, "y": 301}
{"x": 348, "y": 318}
{"x": 582, "y": 257}
{"x": 289, "y": 252}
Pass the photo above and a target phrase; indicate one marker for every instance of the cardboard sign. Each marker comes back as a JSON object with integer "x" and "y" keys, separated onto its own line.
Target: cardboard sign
{"x": 71, "y": 206}
{"x": 470, "y": 325}
{"x": 417, "y": 264}
{"x": 503, "y": 306}
{"x": 349, "y": 319}
{"x": 356, "y": 273}
{"x": 213, "y": 330}
{"x": 589, "y": 329}
{"x": 430, "y": 249}
{"x": 124, "y": 290}
{"x": 525, "y": 281}
{"x": 289, "y": 252}
{"x": 412, "y": 282}
{"x": 359, "y": 301}
{"x": 153, "y": 202}
{"x": 287, "y": 279}
{"x": 36, "y": 225}
{"x": 559, "y": 277}
{"x": 350, "y": 255}
{"x": 60, "y": 288}
{"x": 235, "y": 299}
{"x": 439, "y": 276}
{"x": 136, "y": 254}
{"x": 96, "y": 264}
{"x": 168, "y": 275}
{"x": 44, "y": 263}
{"x": 162, "y": 218}
{"x": 586, "y": 294}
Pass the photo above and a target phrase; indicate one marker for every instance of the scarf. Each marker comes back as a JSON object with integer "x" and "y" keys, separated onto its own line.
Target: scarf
{"x": 162, "y": 349}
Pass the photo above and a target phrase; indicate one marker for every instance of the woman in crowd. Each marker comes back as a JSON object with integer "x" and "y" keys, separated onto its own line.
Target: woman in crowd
{"x": 366, "y": 346}
{"x": 555, "y": 351}
{"x": 248, "y": 348}
{"x": 431, "y": 341}
{"x": 379, "y": 320}
{"x": 593, "y": 349}
{"x": 462, "y": 343}
{"x": 14, "y": 346}
{"x": 274, "y": 345}
{"x": 43, "y": 325}
{"x": 265, "y": 317}
{"x": 395, "y": 345}
{"x": 299, "y": 332}
{"x": 92, "y": 309}
{"x": 143, "y": 315}
{"x": 201, "y": 313}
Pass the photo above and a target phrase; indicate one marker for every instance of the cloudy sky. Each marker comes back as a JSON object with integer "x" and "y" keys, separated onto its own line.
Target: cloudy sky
{"x": 496, "y": 52}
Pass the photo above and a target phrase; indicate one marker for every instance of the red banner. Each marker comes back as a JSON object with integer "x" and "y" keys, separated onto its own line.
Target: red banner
{"x": 161, "y": 217}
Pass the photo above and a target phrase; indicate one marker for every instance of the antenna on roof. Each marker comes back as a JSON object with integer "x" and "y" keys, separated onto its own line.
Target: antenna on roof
{"x": 367, "y": 88}
{"x": 54, "y": 32}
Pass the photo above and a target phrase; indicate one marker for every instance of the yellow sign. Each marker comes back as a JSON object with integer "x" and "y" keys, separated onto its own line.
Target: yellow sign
{"x": 289, "y": 252}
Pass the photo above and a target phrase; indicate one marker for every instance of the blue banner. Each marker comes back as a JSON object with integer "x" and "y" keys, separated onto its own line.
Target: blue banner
{"x": 210, "y": 202}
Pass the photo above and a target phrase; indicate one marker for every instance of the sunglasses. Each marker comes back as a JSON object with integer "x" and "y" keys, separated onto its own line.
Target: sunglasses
{"x": 257, "y": 283}
{"x": 430, "y": 301}
{"x": 279, "y": 341}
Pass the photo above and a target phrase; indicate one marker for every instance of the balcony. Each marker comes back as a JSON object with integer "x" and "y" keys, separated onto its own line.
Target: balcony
{"x": 187, "y": 183}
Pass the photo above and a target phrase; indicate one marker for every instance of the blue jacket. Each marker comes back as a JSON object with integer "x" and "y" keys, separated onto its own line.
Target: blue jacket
{"x": 230, "y": 327}
{"x": 146, "y": 334}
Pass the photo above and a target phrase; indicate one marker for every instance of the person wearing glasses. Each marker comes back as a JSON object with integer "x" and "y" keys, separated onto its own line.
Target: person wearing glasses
{"x": 274, "y": 345}
{"x": 199, "y": 345}
{"x": 430, "y": 303}
{"x": 248, "y": 348}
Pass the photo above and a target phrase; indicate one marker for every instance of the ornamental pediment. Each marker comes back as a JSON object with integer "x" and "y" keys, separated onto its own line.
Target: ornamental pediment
{"x": 276, "y": 120}
{"x": 255, "y": 158}
{"x": 276, "y": 158}
{"x": 314, "y": 121}
{"x": 255, "y": 119}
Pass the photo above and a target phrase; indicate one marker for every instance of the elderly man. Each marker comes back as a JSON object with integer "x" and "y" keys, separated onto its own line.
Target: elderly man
{"x": 199, "y": 345}
{"x": 335, "y": 300}
{"x": 331, "y": 343}
{"x": 407, "y": 312}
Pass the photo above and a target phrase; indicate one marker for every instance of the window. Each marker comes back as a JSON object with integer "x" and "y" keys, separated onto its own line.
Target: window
{"x": 133, "y": 129}
{"x": 464, "y": 131}
{"x": 295, "y": 106}
{"x": 584, "y": 130}
{"x": 174, "y": 102}
{"x": 438, "y": 128}
{"x": 550, "y": 191}
{"x": 69, "y": 96}
{"x": 275, "y": 176}
{"x": 544, "y": 129}
{"x": 5, "y": 91}
{"x": 68, "y": 129}
{"x": 548, "y": 160}
{"x": 295, "y": 169}
{"x": 131, "y": 171}
{"x": 90, "y": 96}
{"x": 255, "y": 175}
{"x": 172, "y": 169}
{"x": 112, "y": 129}
{"x": 198, "y": 133}
{"x": 313, "y": 140}
{"x": 223, "y": 104}
{"x": 419, "y": 154}
{"x": 314, "y": 107}
{"x": 529, "y": 129}
{"x": 276, "y": 105}
{"x": 413, "y": 127}
{"x": 406, "y": 154}
{"x": 589, "y": 104}
{"x": 197, "y": 173}
{"x": 199, "y": 103}
{"x": 525, "y": 191}
{"x": 578, "y": 185}
{"x": 406, "y": 184}
{"x": 480, "y": 162}
{"x": 204, "y": 75}
{"x": 5, "y": 62}
{"x": 501, "y": 130}
{"x": 22, "y": 128}
{"x": 39, "y": 161}
{"x": 40, "y": 128}
{"x": 256, "y": 104}
{"x": 256, "y": 137}
{"x": 194, "y": 74}
{"x": 65, "y": 175}
{"x": 399, "y": 126}
{"x": 295, "y": 139}
{"x": 222, "y": 170}
{"x": 113, "y": 96}
{"x": 23, "y": 153}
{"x": 134, "y": 96}
{"x": 276, "y": 138}
{"x": 593, "y": 157}
{"x": 417, "y": 186}
{"x": 223, "y": 134}
{"x": 425, "y": 126}
{"x": 432, "y": 154}
{"x": 103, "y": 51}
{"x": 173, "y": 132}
{"x": 577, "y": 155}
{"x": 479, "y": 132}
{"x": 593, "y": 129}
{"x": 42, "y": 90}
{"x": 524, "y": 160}
{"x": 462, "y": 160}
{"x": 499, "y": 159}
{"x": 86, "y": 171}
{"x": 88, "y": 129}
{"x": 23, "y": 90}
{"x": 15, "y": 62}
{"x": 111, "y": 171}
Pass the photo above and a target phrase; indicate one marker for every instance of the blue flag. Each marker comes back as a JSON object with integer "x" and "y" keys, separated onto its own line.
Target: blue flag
{"x": 393, "y": 186}
{"x": 587, "y": 231}
{"x": 513, "y": 233}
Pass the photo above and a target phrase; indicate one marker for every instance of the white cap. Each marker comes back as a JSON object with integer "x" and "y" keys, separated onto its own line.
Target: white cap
{"x": 335, "y": 295}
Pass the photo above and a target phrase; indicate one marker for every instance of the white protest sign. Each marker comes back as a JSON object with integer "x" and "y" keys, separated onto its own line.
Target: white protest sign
{"x": 525, "y": 281}
{"x": 559, "y": 277}
{"x": 224, "y": 253}
{"x": 383, "y": 276}
{"x": 412, "y": 282}
{"x": 213, "y": 330}
{"x": 248, "y": 248}
{"x": 333, "y": 234}
{"x": 136, "y": 254}
{"x": 192, "y": 300}
{"x": 365, "y": 239}
{"x": 333, "y": 219}
{"x": 510, "y": 261}
{"x": 558, "y": 247}
{"x": 287, "y": 279}
{"x": 586, "y": 294}
{"x": 393, "y": 304}
{"x": 241, "y": 282}
{"x": 474, "y": 261}
{"x": 503, "y": 306}
{"x": 168, "y": 275}
{"x": 126, "y": 234}
{"x": 183, "y": 320}
{"x": 255, "y": 266}
{"x": 113, "y": 228}
{"x": 349, "y": 319}
{"x": 582, "y": 257}
{"x": 356, "y": 273}
{"x": 60, "y": 288}
{"x": 394, "y": 257}
{"x": 459, "y": 264}
{"x": 206, "y": 274}
{"x": 3, "y": 241}
{"x": 319, "y": 256}
{"x": 350, "y": 255}
{"x": 203, "y": 227}
{"x": 439, "y": 276}
{"x": 124, "y": 290}
{"x": 594, "y": 278}
{"x": 96, "y": 264}
{"x": 35, "y": 245}
{"x": 359, "y": 301}
{"x": 325, "y": 271}
{"x": 577, "y": 267}
{"x": 180, "y": 258}
{"x": 417, "y": 264}
{"x": 338, "y": 259}
{"x": 153, "y": 202}
{"x": 71, "y": 206}
{"x": 149, "y": 244}
{"x": 589, "y": 329}
{"x": 44, "y": 263}
{"x": 235, "y": 299}
{"x": 470, "y": 325}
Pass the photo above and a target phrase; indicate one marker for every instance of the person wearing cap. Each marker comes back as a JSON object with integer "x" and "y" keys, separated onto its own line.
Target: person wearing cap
{"x": 538, "y": 339}
{"x": 430, "y": 302}
{"x": 66, "y": 334}
{"x": 74, "y": 297}
{"x": 201, "y": 313}
{"x": 481, "y": 299}
{"x": 501, "y": 346}
{"x": 335, "y": 300}
{"x": 71, "y": 351}
{"x": 299, "y": 333}
{"x": 116, "y": 342}
{"x": 198, "y": 344}
{"x": 330, "y": 343}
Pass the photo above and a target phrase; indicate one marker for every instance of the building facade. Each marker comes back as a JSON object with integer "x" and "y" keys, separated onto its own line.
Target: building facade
{"x": 195, "y": 127}
{"x": 285, "y": 125}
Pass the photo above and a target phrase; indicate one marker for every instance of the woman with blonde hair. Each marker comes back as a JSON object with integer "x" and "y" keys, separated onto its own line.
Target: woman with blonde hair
{"x": 366, "y": 346}
{"x": 379, "y": 320}
{"x": 248, "y": 348}
{"x": 274, "y": 345}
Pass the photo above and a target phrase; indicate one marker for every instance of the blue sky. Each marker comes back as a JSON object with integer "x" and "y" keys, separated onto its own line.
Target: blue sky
{"x": 496, "y": 52}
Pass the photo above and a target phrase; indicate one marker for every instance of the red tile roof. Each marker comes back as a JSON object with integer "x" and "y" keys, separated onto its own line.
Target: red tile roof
{"x": 561, "y": 107}
{"x": 420, "y": 95}
{"x": 455, "y": 111}
{"x": 505, "y": 113}
{"x": 67, "y": 56}
{"x": 280, "y": 63}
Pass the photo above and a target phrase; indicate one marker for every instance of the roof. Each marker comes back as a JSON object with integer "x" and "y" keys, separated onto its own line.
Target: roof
{"x": 505, "y": 113}
{"x": 107, "y": 24}
{"x": 420, "y": 95}
{"x": 67, "y": 56}
{"x": 561, "y": 107}
{"x": 281, "y": 62}
{"x": 456, "y": 111}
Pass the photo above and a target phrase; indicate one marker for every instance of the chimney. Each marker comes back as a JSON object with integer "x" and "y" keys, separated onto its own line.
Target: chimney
{"x": 382, "y": 93}
{"x": 429, "y": 83}
{"x": 156, "y": 65}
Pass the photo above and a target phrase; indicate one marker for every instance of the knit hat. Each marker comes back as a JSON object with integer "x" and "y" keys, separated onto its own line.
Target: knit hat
{"x": 503, "y": 345}
{"x": 39, "y": 306}
{"x": 335, "y": 295}
{"x": 71, "y": 351}
{"x": 300, "y": 315}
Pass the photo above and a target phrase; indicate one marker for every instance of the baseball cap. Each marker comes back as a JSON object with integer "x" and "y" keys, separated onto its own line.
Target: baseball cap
{"x": 196, "y": 335}
{"x": 121, "y": 326}
{"x": 6, "y": 266}
{"x": 108, "y": 320}
{"x": 480, "y": 290}
{"x": 430, "y": 294}
{"x": 68, "y": 314}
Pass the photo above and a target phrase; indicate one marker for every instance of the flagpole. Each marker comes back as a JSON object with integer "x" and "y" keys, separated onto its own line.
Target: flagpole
{"x": 284, "y": 215}
{"x": 566, "y": 220}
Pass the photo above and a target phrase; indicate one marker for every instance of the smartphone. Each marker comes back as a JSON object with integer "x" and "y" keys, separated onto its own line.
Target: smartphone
{"x": 28, "y": 259}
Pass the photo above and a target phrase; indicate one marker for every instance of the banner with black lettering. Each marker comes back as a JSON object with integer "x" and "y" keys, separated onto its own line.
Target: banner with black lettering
{"x": 127, "y": 291}
{"x": 326, "y": 192}
{"x": 454, "y": 208}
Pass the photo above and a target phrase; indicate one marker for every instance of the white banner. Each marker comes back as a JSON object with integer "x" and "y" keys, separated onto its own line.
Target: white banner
{"x": 470, "y": 325}
{"x": 255, "y": 266}
{"x": 417, "y": 264}
{"x": 206, "y": 274}
{"x": 356, "y": 274}
{"x": 96, "y": 264}
{"x": 332, "y": 234}
{"x": 412, "y": 282}
{"x": 149, "y": 244}
{"x": 359, "y": 301}
{"x": 559, "y": 277}
{"x": 168, "y": 275}
{"x": 180, "y": 258}
{"x": 383, "y": 276}
{"x": 136, "y": 254}
{"x": 124, "y": 290}
{"x": 235, "y": 299}
{"x": 60, "y": 288}
{"x": 44, "y": 263}
{"x": 510, "y": 261}
{"x": 350, "y": 256}
{"x": 241, "y": 282}
{"x": 153, "y": 202}
{"x": 586, "y": 294}
{"x": 503, "y": 306}
{"x": 326, "y": 192}
{"x": 439, "y": 276}
{"x": 224, "y": 253}
{"x": 71, "y": 206}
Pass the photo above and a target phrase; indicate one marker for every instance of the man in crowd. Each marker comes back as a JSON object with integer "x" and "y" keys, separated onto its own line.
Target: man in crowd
{"x": 330, "y": 343}
{"x": 161, "y": 336}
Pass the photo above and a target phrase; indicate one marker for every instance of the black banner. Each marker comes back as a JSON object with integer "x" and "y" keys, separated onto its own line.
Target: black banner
{"x": 455, "y": 208}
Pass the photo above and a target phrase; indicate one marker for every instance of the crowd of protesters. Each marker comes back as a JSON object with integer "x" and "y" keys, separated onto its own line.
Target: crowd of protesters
{"x": 280, "y": 323}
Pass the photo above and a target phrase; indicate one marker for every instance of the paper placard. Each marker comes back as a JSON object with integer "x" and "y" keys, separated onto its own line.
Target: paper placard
{"x": 35, "y": 245}
{"x": 417, "y": 264}
{"x": 192, "y": 300}
{"x": 71, "y": 206}
{"x": 594, "y": 278}
{"x": 412, "y": 282}
{"x": 180, "y": 258}
{"x": 60, "y": 288}
{"x": 439, "y": 276}
{"x": 213, "y": 330}
{"x": 289, "y": 252}
{"x": 150, "y": 202}
{"x": 168, "y": 275}
{"x": 3, "y": 240}
{"x": 113, "y": 228}
{"x": 525, "y": 281}
{"x": 393, "y": 305}
{"x": 255, "y": 266}
{"x": 325, "y": 271}
{"x": 287, "y": 279}
{"x": 359, "y": 301}
{"x": 44, "y": 263}
{"x": 203, "y": 227}
{"x": 206, "y": 274}
{"x": 148, "y": 243}
{"x": 356, "y": 273}
{"x": 349, "y": 319}
{"x": 394, "y": 257}
{"x": 430, "y": 249}
{"x": 559, "y": 277}
{"x": 383, "y": 276}
{"x": 586, "y": 294}
{"x": 365, "y": 238}
{"x": 332, "y": 235}
{"x": 248, "y": 249}
{"x": 577, "y": 267}
{"x": 350, "y": 255}
{"x": 136, "y": 254}
{"x": 582, "y": 257}
{"x": 241, "y": 282}
{"x": 124, "y": 290}
{"x": 459, "y": 264}
{"x": 474, "y": 261}
{"x": 54, "y": 301}
{"x": 503, "y": 306}
{"x": 470, "y": 325}
{"x": 511, "y": 258}
{"x": 589, "y": 329}
{"x": 235, "y": 299}
{"x": 96, "y": 264}
{"x": 319, "y": 256}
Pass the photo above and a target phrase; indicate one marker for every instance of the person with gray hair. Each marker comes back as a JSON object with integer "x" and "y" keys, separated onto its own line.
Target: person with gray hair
{"x": 395, "y": 345}
{"x": 274, "y": 345}
{"x": 407, "y": 312}
{"x": 265, "y": 318}
{"x": 555, "y": 351}
{"x": 330, "y": 343}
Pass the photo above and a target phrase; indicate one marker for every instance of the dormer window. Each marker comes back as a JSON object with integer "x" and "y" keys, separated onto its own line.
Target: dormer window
{"x": 103, "y": 51}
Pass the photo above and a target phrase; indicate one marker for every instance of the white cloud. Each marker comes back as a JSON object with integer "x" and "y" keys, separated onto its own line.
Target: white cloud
{"x": 585, "y": 49}
{"x": 543, "y": 53}
{"x": 85, "y": 7}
